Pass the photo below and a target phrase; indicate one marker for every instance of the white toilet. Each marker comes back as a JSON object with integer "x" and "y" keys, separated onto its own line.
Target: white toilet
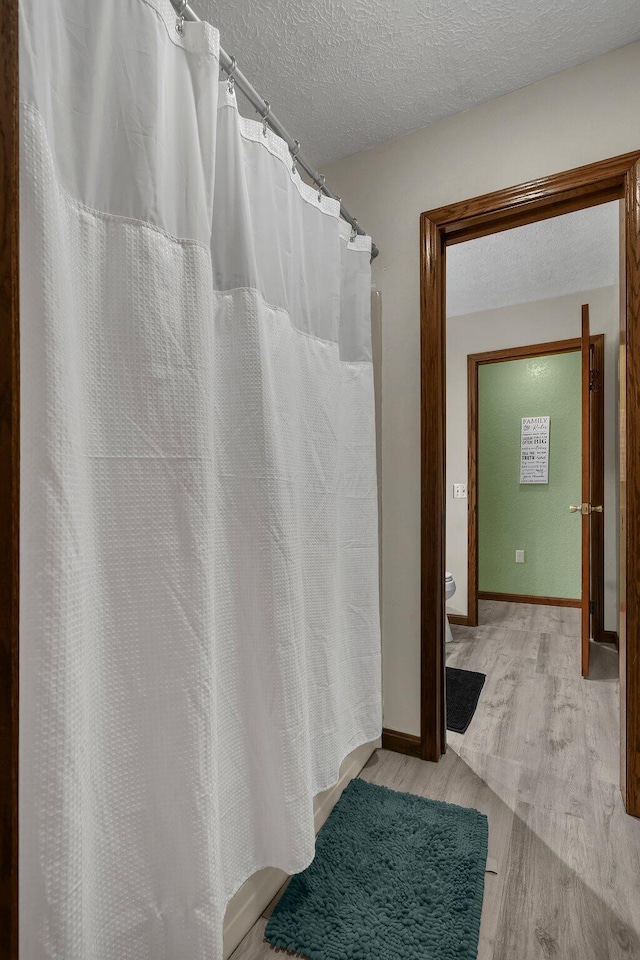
{"x": 449, "y": 590}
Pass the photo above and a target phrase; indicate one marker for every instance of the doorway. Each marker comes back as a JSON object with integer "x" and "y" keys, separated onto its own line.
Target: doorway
{"x": 528, "y": 380}
{"x": 615, "y": 179}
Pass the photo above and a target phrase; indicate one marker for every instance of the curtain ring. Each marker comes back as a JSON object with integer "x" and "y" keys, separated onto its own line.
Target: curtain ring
{"x": 320, "y": 181}
{"x": 180, "y": 17}
{"x": 294, "y": 154}
{"x": 265, "y": 118}
{"x": 230, "y": 72}
{"x": 354, "y": 231}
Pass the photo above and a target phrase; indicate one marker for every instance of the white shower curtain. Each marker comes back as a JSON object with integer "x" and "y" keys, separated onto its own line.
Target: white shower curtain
{"x": 199, "y": 597}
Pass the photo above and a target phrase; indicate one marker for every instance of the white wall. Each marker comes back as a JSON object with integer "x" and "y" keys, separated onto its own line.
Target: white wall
{"x": 579, "y": 116}
{"x": 544, "y": 320}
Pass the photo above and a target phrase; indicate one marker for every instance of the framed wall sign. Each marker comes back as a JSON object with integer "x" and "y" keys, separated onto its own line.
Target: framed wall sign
{"x": 534, "y": 450}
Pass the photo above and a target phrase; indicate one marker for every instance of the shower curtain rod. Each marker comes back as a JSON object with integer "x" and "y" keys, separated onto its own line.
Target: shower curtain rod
{"x": 228, "y": 64}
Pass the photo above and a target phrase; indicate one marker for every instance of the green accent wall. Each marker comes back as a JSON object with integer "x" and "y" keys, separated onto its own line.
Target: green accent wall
{"x": 530, "y": 517}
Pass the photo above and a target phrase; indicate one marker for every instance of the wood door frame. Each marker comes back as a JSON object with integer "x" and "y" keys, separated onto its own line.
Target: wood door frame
{"x": 585, "y": 492}
{"x": 598, "y": 418}
{"x": 475, "y": 360}
{"x": 617, "y": 178}
{"x": 9, "y": 482}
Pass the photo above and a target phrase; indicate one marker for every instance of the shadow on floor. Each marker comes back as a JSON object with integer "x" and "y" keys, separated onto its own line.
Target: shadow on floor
{"x": 603, "y": 661}
{"x": 560, "y": 887}
{"x": 561, "y": 891}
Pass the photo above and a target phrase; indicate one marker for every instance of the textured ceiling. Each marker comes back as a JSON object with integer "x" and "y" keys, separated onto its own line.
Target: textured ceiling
{"x": 578, "y": 251}
{"x": 343, "y": 75}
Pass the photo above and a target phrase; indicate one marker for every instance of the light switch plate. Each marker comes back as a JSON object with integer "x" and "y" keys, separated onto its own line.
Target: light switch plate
{"x": 459, "y": 491}
{"x": 519, "y": 556}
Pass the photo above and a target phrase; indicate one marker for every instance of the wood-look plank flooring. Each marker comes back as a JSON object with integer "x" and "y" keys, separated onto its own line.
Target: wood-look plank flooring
{"x": 540, "y": 758}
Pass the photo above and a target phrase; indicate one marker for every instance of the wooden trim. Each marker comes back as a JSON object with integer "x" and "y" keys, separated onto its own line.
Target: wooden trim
{"x": 596, "y": 497}
{"x": 615, "y": 178}
{"x": 406, "y": 743}
{"x": 527, "y": 351}
{"x": 529, "y": 598}
{"x": 460, "y": 621}
{"x": 585, "y": 520}
{"x": 610, "y": 636}
{"x": 622, "y": 497}
{"x": 9, "y": 482}
{"x": 535, "y": 200}
{"x": 472, "y": 492}
{"x": 432, "y": 603}
{"x": 630, "y": 498}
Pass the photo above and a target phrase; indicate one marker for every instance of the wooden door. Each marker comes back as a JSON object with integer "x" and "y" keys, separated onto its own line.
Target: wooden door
{"x": 591, "y": 508}
{"x": 585, "y": 508}
{"x": 596, "y": 499}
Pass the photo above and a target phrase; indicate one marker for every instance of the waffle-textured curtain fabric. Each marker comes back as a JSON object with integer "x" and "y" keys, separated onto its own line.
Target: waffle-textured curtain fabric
{"x": 199, "y": 592}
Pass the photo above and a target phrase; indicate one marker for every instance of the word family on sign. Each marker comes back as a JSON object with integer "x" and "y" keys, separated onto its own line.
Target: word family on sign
{"x": 534, "y": 450}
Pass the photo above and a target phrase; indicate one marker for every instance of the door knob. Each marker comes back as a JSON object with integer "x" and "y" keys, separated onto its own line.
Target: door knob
{"x": 596, "y": 509}
{"x": 584, "y": 508}
{"x": 575, "y": 508}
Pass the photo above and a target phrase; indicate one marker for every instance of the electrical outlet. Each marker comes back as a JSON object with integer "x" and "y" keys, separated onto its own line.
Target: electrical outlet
{"x": 459, "y": 491}
{"x": 519, "y": 556}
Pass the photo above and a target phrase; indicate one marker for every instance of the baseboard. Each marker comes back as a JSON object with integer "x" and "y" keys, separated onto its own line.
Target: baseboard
{"x": 246, "y": 907}
{"x": 458, "y": 619}
{"x": 524, "y": 598}
{"x": 257, "y": 893}
{"x": 611, "y": 636}
{"x": 406, "y": 743}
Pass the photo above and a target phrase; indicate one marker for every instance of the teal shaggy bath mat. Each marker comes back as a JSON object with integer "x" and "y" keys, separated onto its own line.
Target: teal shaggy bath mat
{"x": 395, "y": 877}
